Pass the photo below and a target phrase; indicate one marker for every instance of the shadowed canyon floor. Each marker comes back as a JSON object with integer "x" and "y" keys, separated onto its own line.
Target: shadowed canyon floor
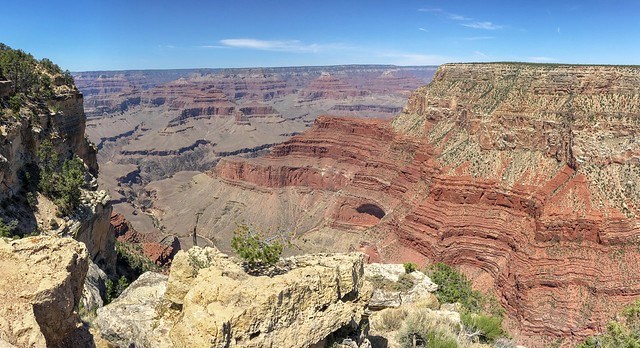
{"x": 523, "y": 175}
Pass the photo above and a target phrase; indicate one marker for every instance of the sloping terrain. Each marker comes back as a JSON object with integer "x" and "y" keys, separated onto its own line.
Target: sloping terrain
{"x": 152, "y": 125}
{"x": 523, "y": 175}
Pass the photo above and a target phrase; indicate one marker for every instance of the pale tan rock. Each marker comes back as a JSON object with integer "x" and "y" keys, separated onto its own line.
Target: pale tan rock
{"x": 296, "y": 309}
{"x": 134, "y": 318}
{"x": 186, "y": 265}
{"x": 42, "y": 281}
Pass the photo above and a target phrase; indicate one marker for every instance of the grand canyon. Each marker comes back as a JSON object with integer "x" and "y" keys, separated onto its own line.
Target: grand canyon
{"x": 374, "y": 187}
{"x": 522, "y": 175}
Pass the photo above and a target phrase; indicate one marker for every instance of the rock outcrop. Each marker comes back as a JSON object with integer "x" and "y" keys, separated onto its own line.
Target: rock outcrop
{"x": 59, "y": 119}
{"x": 523, "y": 175}
{"x": 133, "y": 318}
{"x": 211, "y": 301}
{"x": 94, "y": 289}
{"x": 157, "y": 247}
{"x": 42, "y": 281}
{"x": 389, "y": 295}
{"x": 298, "y": 309}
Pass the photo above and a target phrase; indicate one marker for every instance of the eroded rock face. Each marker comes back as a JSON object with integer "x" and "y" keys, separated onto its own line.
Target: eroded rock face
{"x": 211, "y": 302}
{"x": 42, "y": 281}
{"x": 94, "y": 289}
{"x": 159, "y": 248}
{"x": 523, "y": 175}
{"x": 133, "y": 318}
{"x": 296, "y": 309}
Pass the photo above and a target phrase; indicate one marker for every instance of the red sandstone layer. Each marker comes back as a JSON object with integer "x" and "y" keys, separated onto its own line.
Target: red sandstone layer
{"x": 510, "y": 183}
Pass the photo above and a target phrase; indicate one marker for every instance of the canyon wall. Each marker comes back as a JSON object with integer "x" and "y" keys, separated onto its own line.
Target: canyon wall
{"x": 62, "y": 121}
{"x": 157, "y": 125}
{"x": 523, "y": 175}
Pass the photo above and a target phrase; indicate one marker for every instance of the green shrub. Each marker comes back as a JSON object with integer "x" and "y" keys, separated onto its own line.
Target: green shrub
{"x": 453, "y": 287}
{"x": 60, "y": 182}
{"x": 131, "y": 258}
{"x": 22, "y": 68}
{"x": 16, "y": 102}
{"x": 31, "y": 200}
{"x": 115, "y": 289}
{"x": 253, "y": 248}
{"x": 6, "y": 230}
{"x": 409, "y": 267}
{"x": 488, "y": 328}
{"x": 632, "y": 316}
{"x": 618, "y": 334}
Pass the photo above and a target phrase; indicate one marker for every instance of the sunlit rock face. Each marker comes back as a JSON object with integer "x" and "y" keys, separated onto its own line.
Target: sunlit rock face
{"x": 523, "y": 175}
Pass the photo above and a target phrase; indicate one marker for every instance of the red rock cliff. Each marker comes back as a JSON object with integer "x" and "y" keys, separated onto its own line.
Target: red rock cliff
{"x": 523, "y": 175}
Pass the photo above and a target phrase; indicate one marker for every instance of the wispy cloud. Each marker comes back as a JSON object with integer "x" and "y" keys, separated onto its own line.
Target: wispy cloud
{"x": 213, "y": 46}
{"x": 277, "y": 45}
{"x": 423, "y": 29}
{"x": 465, "y": 21}
{"x": 482, "y": 25}
{"x": 541, "y": 59}
{"x": 477, "y": 38}
{"x": 480, "y": 54}
{"x": 457, "y": 17}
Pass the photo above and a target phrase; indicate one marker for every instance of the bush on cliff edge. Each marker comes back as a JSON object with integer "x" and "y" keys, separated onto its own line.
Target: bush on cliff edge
{"x": 254, "y": 248}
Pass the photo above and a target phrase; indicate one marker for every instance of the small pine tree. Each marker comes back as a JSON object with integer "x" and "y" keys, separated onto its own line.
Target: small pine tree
{"x": 253, "y": 248}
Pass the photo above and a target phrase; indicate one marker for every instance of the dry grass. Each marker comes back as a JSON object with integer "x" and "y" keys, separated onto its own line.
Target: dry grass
{"x": 391, "y": 319}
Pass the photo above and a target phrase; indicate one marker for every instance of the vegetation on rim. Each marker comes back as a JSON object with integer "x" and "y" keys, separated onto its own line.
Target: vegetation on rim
{"x": 254, "y": 248}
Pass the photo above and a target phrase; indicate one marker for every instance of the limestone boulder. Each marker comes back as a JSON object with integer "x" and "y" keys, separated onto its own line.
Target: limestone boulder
{"x": 187, "y": 264}
{"x": 389, "y": 297}
{"x": 227, "y": 308}
{"x": 42, "y": 282}
{"x": 134, "y": 318}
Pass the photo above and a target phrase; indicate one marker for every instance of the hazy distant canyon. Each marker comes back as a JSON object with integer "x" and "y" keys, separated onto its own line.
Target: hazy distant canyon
{"x": 150, "y": 125}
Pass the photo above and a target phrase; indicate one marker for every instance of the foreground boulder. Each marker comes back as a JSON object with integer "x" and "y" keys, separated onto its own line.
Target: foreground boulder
{"x": 132, "y": 319}
{"x": 211, "y": 302}
{"x": 42, "y": 281}
{"x": 225, "y": 306}
{"x": 392, "y": 286}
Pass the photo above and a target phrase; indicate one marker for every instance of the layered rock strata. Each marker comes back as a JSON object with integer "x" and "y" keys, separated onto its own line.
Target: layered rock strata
{"x": 522, "y": 175}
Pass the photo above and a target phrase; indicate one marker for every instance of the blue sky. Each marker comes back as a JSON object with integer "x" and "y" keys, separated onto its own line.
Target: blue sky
{"x": 141, "y": 34}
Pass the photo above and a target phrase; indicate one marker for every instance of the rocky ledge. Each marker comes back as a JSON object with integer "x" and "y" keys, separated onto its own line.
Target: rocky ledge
{"x": 42, "y": 282}
{"x": 209, "y": 300}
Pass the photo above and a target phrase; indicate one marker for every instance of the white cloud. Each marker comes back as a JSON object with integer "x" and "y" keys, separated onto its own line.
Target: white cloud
{"x": 423, "y": 29}
{"x": 482, "y": 25}
{"x": 212, "y": 46}
{"x": 277, "y": 45}
{"x": 480, "y": 54}
{"x": 456, "y": 17}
